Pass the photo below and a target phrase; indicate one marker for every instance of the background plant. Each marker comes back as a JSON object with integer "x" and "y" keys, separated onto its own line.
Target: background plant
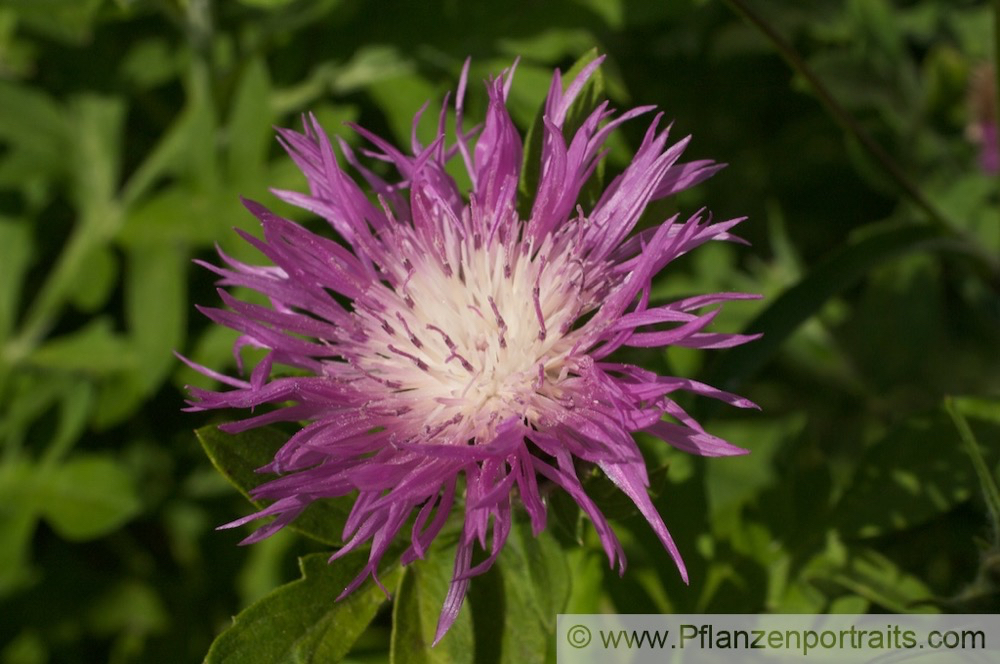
{"x": 129, "y": 128}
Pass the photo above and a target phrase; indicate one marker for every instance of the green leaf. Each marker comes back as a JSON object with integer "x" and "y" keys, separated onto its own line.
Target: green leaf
{"x": 155, "y": 307}
{"x": 15, "y": 548}
{"x": 180, "y": 214}
{"x": 74, "y": 409}
{"x": 18, "y": 518}
{"x": 731, "y": 484}
{"x": 379, "y": 63}
{"x": 980, "y": 408}
{"x": 96, "y": 124}
{"x": 119, "y": 396}
{"x": 586, "y": 572}
{"x": 94, "y": 284}
{"x": 128, "y": 606}
{"x": 416, "y": 611}
{"x": 249, "y": 130}
{"x": 877, "y": 579}
{"x": 536, "y": 587}
{"x": 149, "y": 63}
{"x": 515, "y": 604}
{"x": 67, "y": 20}
{"x": 94, "y": 155}
{"x": 86, "y": 497}
{"x": 33, "y": 121}
{"x": 914, "y": 474}
{"x": 301, "y": 621}
{"x": 28, "y": 395}
{"x": 838, "y": 272}
{"x": 96, "y": 349}
{"x": 238, "y": 456}
{"x": 589, "y": 98}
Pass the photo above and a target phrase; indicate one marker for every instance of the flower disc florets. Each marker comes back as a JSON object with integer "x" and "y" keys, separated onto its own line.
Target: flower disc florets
{"x": 465, "y": 348}
{"x": 476, "y": 342}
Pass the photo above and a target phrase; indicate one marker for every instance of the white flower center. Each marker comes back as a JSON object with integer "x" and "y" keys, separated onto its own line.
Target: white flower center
{"x": 479, "y": 336}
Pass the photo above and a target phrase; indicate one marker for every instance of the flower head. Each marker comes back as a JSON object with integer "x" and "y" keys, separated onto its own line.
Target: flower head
{"x": 456, "y": 354}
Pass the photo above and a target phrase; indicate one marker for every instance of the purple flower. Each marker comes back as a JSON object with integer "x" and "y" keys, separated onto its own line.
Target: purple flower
{"x": 982, "y": 127}
{"x": 450, "y": 353}
{"x": 989, "y": 149}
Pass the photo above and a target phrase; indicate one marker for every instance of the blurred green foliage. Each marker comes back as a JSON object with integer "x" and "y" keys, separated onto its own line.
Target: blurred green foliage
{"x": 129, "y": 128}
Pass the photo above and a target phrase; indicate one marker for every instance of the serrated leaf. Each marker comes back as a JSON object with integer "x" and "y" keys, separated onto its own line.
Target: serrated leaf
{"x": 416, "y": 611}
{"x": 238, "y": 456}
{"x": 588, "y": 99}
{"x": 86, "y": 497}
{"x": 301, "y": 621}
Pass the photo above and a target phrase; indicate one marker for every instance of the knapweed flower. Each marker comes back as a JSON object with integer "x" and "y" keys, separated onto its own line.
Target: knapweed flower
{"x": 452, "y": 354}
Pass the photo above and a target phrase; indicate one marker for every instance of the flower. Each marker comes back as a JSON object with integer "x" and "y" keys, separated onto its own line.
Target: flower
{"x": 454, "y": 351}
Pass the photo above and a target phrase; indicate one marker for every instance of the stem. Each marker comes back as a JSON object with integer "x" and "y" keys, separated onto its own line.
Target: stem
{"x": 41, "y": 316}
{"x": 990, "y": 491}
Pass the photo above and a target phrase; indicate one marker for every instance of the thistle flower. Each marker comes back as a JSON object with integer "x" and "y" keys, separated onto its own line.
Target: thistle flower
{"x": 456, "y": 355}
